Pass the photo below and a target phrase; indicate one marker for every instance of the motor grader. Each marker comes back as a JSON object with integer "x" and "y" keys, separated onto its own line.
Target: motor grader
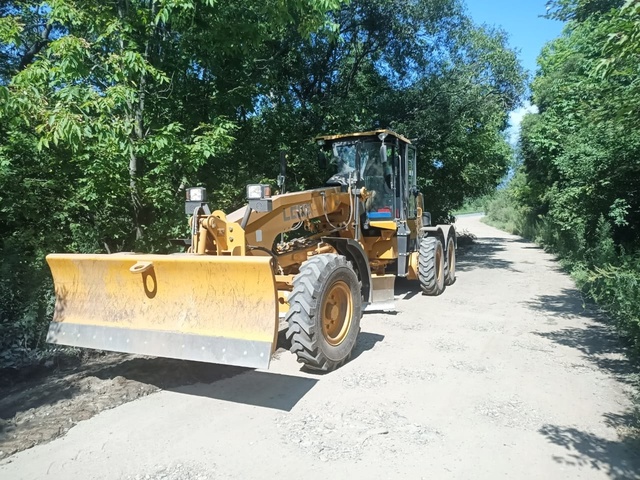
{"x": 309, "y": 261}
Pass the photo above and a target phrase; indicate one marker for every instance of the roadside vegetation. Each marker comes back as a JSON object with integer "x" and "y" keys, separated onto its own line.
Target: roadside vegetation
{"x": 577, "y": 189}
{"x": 474, "y": 205}
{"x": 108, "y": 110}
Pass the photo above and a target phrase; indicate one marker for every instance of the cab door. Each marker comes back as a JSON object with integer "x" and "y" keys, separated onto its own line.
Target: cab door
{"x": 412, "y": 179}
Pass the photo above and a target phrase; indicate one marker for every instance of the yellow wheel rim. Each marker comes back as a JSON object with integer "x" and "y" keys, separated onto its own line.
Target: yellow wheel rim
{"x": 451, "y": 259}
{"x": 337, "y": 311}
{"x": 439, "y": 264}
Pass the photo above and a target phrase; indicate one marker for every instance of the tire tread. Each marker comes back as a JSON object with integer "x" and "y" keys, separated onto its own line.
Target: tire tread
{"x": 304, "y": 305}
{"x": 427, "y": 271}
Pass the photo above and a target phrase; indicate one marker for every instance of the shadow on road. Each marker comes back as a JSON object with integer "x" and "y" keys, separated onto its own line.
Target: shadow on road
{"x": 266, "y": 389}
{"x": 569, "y": 304}
{"x": 601, "y": 347}
{"x": 50, "y": 386}
{"x": 485, "y": 254}
{"x": 619, "y": 460}
{"x": 596, "y": 338}
{"x": 261, "y": 389}
{"x": 406, "y": 288}
{"x": 48, "y": 402}
{"x": 366, "y": 341}
{"x": 166, "y": 373}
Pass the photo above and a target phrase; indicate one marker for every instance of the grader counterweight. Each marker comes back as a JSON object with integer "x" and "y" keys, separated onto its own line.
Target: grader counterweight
{"x": 222, "y": 300}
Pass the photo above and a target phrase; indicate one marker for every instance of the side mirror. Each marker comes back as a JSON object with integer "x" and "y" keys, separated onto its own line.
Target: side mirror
{"x": 383, "y": 153}
{"x": 322, "y": 160}
{"x": 283, "y": 171}
{"x": 283, "y": 163}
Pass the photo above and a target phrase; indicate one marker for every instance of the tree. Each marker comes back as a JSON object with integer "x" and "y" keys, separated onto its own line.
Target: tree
{"x": 420, "y": 67}
{"x": 108, "y": 110}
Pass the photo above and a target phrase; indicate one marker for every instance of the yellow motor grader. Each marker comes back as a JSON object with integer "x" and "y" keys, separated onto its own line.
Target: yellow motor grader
{"x": 314, "y": 259}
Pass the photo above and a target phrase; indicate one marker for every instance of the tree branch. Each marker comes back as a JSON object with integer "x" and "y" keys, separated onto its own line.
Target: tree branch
{"x": 36, "y": 48}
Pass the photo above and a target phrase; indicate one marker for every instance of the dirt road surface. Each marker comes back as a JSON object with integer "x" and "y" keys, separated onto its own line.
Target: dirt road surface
{"x": 506, "y": 375}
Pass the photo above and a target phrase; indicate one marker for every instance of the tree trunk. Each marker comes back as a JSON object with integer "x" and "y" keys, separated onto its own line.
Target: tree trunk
{"x": 137, "y": 112}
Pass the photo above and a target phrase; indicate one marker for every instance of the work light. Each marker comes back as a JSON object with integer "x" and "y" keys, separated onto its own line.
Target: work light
{"x": 196, "y": 194}
{"x": 196, "y": 198}
{"x": 257, "y": 192}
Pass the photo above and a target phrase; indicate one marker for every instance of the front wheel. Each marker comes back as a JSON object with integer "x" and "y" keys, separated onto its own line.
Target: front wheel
{"x": 324, "y": 314}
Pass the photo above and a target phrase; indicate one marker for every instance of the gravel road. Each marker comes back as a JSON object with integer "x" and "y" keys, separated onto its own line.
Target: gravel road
{"x": 506, "y": 375}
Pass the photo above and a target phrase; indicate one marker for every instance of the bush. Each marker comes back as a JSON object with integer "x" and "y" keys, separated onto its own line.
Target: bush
{"x": 617, "y": 289}
{"x": 503, "y": 212}
{"x": 26, "y": 303}
{"x": 474, "y": 205}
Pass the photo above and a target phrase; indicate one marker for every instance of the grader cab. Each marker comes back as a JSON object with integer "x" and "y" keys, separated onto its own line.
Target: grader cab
{"x": 314, "y": 259}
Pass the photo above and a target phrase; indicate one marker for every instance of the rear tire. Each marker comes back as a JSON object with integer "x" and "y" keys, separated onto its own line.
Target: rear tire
{"x": 431, "y": 266}
{"x": 450, "y": 264}
{"x": 324, "y": 314}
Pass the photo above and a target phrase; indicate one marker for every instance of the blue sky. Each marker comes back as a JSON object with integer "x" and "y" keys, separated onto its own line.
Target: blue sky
{"x": 521, "y": 20}
{"x": 527, "y": 34}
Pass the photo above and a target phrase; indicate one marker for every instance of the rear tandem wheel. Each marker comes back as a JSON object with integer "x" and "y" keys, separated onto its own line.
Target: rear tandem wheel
{"x": 450, "y": 262}
{"x": 431, "y": 266}
{"x": 324, "y": 314}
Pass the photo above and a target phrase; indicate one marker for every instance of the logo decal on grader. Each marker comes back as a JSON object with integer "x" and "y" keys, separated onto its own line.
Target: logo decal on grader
{"x": 297, "y": 212}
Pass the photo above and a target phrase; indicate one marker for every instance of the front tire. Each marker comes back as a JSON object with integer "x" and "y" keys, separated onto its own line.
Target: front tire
{"x": 431, "y": 266}
{"x": 324, "y": 314}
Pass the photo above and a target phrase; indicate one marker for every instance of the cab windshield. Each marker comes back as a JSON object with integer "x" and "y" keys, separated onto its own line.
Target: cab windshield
{"x": 366, "y": 160}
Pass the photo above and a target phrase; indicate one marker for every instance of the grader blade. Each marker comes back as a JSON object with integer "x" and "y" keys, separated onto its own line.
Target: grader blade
{"x": 193, "y": 307}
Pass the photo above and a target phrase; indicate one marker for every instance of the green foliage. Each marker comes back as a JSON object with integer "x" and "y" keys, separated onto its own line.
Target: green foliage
{"x": 578, "y": 189}
{"x": 32, "y": 213}
{"x": 502, "y": 213}
{"x": 474, "y": 205}
{"x": 617, "y": 289}
{"x": 602, "y": 270}
{"x": 108, "y": 110}
{"x": 579, "y": 10}
{"x": 425, "y": 71}
{"x": 504, "y": 210}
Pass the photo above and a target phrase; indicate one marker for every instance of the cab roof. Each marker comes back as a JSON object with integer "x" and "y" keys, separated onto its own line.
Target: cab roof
{"x": 372, "y": 133}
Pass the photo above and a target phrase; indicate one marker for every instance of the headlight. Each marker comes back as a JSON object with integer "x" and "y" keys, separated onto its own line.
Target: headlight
{"x": 257, "y": 192}
{"x": 197, "y": 194}
{"x": 254, "y": 192}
